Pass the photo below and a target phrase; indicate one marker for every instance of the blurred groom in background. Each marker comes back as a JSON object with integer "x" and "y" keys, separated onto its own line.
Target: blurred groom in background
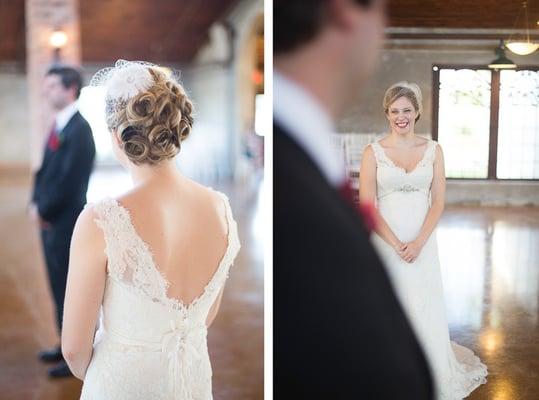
{"x": 60, "y": 185}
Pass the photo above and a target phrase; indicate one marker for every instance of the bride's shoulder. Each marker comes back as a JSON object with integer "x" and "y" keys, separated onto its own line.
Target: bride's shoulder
{"x": 428, "y": 140}
{"x": 109, "y": 213}
{"x": 205, "y": 192}
{"x": 373, "y": 147}
{"x": 219, "y": 198}
{"x": 95, "y": 209}
{"x": 369, "y": 149}
{"x": 436, "y": 152}
{"x": 87, "y": 226}
{"x": 99, "y": 214}
{"x": 435, "y": 144}
{"x": 430, "y": 143}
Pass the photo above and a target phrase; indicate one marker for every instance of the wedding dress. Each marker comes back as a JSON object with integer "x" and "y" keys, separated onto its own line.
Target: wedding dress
{"x": 149, "y": 346}
{"x": 403, "y": 200}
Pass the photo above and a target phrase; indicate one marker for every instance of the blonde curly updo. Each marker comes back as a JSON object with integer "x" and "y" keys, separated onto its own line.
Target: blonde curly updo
{"x": 404, "y": 89}
{"x": 152, "y": 124}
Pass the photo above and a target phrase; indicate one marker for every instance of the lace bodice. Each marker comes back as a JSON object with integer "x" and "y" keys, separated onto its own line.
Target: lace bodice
{"x": 138, "y": 317}
{"x": 393, "y": 179}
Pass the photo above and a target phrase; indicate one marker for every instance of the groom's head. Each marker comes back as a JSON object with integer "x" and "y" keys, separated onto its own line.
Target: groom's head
{"x": 334, "y": 38}
{"x": 62, "y": 86}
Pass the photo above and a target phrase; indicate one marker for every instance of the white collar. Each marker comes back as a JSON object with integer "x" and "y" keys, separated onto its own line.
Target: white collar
{"x": 309, "y": 124}
{"x": 63, "y": 116}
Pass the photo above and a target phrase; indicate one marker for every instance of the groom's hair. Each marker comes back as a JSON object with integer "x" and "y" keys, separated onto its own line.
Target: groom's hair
{"x": 296, "y": 22}
{"x": 69, "y": 77}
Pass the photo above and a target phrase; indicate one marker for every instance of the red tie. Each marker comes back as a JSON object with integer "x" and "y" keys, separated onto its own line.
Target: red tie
{"x": 53, "y": 142}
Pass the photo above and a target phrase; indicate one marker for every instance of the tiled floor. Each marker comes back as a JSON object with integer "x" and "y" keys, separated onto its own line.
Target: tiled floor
{"x": 26, "y": 313}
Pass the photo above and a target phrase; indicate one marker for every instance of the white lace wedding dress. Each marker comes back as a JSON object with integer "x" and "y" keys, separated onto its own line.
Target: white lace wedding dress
{"x": 403, "y": 199}
{"x": 149, "y": 346}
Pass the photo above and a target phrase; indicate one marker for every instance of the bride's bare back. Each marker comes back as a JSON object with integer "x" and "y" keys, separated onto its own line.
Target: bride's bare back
{"x": 184, "y": 225}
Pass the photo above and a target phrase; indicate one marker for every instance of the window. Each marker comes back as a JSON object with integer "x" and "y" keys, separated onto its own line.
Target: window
{"x": 487, "y": 121}
{"x": 518, "y": 129}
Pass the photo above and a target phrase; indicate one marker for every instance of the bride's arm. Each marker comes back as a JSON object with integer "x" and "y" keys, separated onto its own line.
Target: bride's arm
{"x": 435, "y": 212}
{"x": 84, "y": 292}
{"x": 367, "y": 195}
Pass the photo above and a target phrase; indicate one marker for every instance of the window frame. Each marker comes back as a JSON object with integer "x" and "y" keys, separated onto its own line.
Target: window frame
{"x": 494, "y": 114}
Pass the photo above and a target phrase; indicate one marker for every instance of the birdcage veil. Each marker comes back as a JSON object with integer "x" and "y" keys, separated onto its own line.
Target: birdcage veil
{"x": 124, "y": 81}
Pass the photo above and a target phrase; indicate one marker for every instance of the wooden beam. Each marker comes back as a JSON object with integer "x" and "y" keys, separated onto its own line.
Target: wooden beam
{"x": 453, "y": 36}
{"x": 494, "y": 116}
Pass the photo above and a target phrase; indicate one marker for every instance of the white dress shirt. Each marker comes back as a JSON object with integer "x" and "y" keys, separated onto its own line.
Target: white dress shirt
{"x": 63, "y": 116}
{"x": 309, "y": 124}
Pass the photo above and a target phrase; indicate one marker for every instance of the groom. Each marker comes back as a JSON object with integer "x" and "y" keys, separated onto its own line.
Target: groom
{"x": 339, "y": 331}
{"x": 60, "y": 186}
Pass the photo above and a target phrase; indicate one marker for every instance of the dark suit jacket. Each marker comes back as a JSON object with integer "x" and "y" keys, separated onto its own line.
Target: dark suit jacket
{"x": 60, "y": 184}
{"x": 339, "y": 331}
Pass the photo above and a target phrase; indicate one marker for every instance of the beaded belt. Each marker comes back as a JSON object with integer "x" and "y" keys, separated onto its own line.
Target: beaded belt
{"x": 406, "y": 188}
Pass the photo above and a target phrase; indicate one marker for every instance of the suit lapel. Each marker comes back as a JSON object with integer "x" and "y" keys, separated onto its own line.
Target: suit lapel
{"x": 64, "y": 134}
{"x": 68, "y": 127}
{"x": 310, "y": 170}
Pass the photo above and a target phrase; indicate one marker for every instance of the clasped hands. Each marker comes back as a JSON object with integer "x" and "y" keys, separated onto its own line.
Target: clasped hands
{"x": 409, "y": 251}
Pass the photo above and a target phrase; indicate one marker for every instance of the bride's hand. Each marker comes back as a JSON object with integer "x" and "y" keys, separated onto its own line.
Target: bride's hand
{"x": 399, "y": 248}
{"x": 411, "y": 251}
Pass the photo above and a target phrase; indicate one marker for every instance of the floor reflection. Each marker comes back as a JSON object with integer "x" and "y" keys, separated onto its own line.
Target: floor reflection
{"x": 462, "y": 259}
{"x": 490, "y": 268}
{"x": 515, "y": 272}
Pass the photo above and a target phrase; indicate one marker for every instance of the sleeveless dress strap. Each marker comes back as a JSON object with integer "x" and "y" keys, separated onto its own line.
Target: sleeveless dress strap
{"x": 379, "y": 153}
{"x": 431, "y": 155}
{"x": 113, "y": 224}
{"x": 233, "y": 247}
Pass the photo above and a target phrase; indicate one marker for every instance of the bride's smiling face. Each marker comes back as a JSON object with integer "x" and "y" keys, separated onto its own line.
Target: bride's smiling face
{"x": 401, "y": 115}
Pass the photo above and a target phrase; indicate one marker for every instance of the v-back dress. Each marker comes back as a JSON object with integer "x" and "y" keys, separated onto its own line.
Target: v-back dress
{"x": 149, "y": 346}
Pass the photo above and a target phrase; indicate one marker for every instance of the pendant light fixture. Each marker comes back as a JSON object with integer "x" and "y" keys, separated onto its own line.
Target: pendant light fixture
{"x": 523, "y": 46}
{"x": 501, "y": 61}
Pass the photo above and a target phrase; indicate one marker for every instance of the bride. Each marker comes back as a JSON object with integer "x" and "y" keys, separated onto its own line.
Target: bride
{"x": 154, "y": 260}
{"x": 404, "y": 175}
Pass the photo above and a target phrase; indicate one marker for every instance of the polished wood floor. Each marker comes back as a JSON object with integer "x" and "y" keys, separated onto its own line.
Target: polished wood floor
{"x": 26, "y": 309}
{"x": 490, "y": 269}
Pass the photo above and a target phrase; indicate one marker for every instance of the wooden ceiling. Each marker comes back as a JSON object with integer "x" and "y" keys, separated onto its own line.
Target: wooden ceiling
{"x": 154, "y": 30}
{"x": 475, "y": 14}
{"x": 173, "y": 30}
